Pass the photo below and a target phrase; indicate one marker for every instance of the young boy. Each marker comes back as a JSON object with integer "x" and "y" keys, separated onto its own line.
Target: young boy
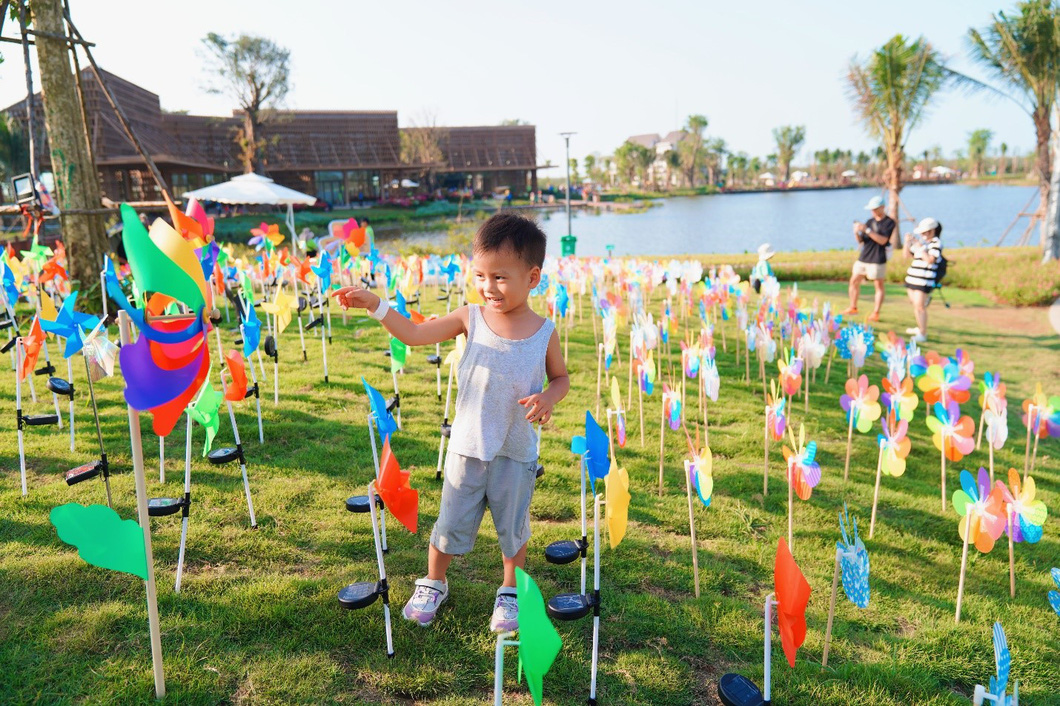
{"x": 492, "y": 457}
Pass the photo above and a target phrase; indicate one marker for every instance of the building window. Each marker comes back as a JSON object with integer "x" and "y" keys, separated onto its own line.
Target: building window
{"x": 329, "y": 186}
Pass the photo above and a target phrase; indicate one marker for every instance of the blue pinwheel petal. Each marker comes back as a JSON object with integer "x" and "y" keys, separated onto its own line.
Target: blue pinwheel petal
{"x": 1002, "y": 661}
{"x": 969, "y": 486}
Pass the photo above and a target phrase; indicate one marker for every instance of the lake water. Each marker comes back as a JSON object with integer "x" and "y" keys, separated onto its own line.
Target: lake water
{"x": 803, "y": 220}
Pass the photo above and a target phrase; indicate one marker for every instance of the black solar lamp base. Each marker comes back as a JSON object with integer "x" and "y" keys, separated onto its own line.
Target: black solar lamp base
{"x": 738, "y": 690}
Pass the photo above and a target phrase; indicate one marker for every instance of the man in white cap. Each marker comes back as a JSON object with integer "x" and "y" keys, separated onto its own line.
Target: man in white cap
{"x": 762, "y": 271}
{"x": 875, "y": 235}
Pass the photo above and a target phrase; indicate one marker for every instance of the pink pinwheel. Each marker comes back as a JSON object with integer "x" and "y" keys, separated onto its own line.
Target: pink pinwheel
{"x": 945, "y": 384}
{"x": 898, "y": 395}
{"x": 1028, "y": 514}
{"x": 964, "y": 364}
{"x": 981, "y": 509}
{"x": 952, "y": 433}
{"x": 790, "y": 373}
{"x": 894, "y": 445}
{"x": 860, "y": 403}
{"x": 776, "y": 419}
{"x": 672, "y": 407}
{"x": 892, "y": 350}
{"x": 1045, "y": 421}
{"x": 804, "y": 473}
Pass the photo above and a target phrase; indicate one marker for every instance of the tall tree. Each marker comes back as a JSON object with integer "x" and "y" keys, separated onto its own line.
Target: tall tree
{"x": 625, "y": 162}
{"x": 891, "y": 90}
{"x": 643, "y": 160}
{"x": 691, "y": 147}
{"x": 590, "y": 167}
{"x": 76, "y": 183}
{"x": 1022, "y": 51}
{"x": 789, "y": 139}
{"x": 421, "y": 145}
{"x": 256, "y": 72}
{"x": 978, "y": 144}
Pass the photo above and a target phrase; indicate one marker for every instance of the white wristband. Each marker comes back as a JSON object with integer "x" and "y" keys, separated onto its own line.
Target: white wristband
{"x": 381, "y": 310}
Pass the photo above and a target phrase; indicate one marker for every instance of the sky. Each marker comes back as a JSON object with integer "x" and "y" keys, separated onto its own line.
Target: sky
{"x": 604, "y": 70}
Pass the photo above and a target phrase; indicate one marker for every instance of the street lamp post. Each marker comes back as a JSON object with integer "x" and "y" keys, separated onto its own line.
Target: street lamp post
{"x": 566, "y": 138}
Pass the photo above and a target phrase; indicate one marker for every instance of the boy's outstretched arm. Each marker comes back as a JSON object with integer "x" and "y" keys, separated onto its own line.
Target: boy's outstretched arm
{"x": 541, "y": 404}
{"x": 433, "y": 331}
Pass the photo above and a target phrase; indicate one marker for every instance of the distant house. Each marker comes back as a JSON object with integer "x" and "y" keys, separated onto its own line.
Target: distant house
{"x": 661, "y": 171}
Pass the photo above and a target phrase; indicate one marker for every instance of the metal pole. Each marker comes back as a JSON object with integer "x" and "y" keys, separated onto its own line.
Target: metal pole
{"x": 566, "y": 138}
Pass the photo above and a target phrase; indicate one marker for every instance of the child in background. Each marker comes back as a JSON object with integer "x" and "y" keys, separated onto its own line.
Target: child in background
{"x": 762, "y": 269}
{"x": 492, "y": 456}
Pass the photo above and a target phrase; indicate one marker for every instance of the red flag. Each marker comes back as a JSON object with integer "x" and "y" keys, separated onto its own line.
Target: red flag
{"x": 236, "y": 389}
{"x": 399, "y": 497}
{"x": 31, "y": 348}
{"x": 793, "y": 593}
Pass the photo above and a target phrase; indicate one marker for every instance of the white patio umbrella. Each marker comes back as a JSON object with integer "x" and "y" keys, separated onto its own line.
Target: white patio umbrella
{"x": 254, "y": 189}
{"x": 767, "y": 175}
{"x": 404, "y": 184}
{"x": 849, "y": 173}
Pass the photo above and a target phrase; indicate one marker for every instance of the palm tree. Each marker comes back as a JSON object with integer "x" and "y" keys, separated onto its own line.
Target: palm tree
{"x": 891, "y": 90}
{"x": 789, "y": 139}
{"x": 643, "y": 159}
{"x": 1001, "y": 161}
{"x": 673, "y": 166}
{"x": 1022, "y": 52}
{"x": 691, "y": 148}
{"x": 737, "y": 168}
{"x": 625, "y": 161}
{"x": 978, "y": 143}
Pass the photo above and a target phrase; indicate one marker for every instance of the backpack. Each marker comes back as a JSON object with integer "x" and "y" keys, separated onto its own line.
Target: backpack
{"x": 940, "y": 270}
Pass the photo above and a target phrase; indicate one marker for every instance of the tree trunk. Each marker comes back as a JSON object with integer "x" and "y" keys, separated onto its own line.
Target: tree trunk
{"x": 76, "y": 184}
{"x": 250, "y": 146}
{"x": 892, "y": 179}
{"x": 1043, "y": 131}
{"x": 1051, "y": 226}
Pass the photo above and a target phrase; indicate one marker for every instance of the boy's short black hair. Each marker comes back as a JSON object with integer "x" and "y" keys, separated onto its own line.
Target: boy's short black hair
{"x": 520, "y": 234}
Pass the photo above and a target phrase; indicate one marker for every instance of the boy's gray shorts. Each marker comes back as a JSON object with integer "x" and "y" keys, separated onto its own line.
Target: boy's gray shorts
{"x": 470, "y": 486}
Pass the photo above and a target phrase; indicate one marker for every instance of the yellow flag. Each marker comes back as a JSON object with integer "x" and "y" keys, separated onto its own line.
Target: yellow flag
{"x": 616, "y": 398}
{"x": 617, "y": 496}
{"x": 47, "y": 309}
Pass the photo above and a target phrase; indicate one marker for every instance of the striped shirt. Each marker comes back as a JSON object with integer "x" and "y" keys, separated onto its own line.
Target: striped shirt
{"x": 921, "y": 273}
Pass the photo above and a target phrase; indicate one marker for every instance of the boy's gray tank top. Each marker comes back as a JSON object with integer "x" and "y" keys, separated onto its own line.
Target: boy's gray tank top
{"x": 492, "y": 376}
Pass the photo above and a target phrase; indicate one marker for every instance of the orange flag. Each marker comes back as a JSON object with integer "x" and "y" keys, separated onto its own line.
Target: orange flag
{"x": 237, "y": 386}
{"x": 189, "y": 228}
{"x": 793, "y": 593}
{"x": 31, "y": 348}
{"x": 399, "y": 497}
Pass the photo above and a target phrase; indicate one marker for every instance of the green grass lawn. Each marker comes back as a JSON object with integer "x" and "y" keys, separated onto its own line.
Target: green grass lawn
{"x": 257, "y": 621}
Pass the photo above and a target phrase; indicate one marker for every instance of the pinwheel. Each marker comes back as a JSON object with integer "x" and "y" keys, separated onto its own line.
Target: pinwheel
{"x": 854, "y": 344}
{"x": 898, "y": 395}
{"x": 813, "y": 345}
{"x": 670, "y": 412}
{"x": 952, "y": 436}
{"x": 69, "y": 324}
{"x": 698, "y": 475}
{"x": 100, "y": 354}
{"x": 804, "y": 473}
{"x": 991, "y": 397}
{"x": 1025, "y": 517}
{"x": 646, "y": 384}
{"x": 944, "y": 383}
{"x": 709, "y": 387}
{"x": 852, "y": 563}
{"x": 790, "y": 377}
{"x": 1054, "y": 596}
{"x": 862, "y": 408}
{"x": 893, "y": 351}
{"x": 918, "y": 364}
{"x": 964, "y": 364}
{"x": 1041, "y": 416}
{"x": 205, "y": 412}
{"x": 982, "y": 513}
{"x": 267, "y": 236}
{"x": 615, "y": 409}
{"x": 538, "y": 642}
{"x": 775, "y": 422}
{"x": 765, "y": 348}
{"x": 690, "y": 359}
{"x": 996, "y": 424}
{"x": 999, "y": 683}
{"x": 894, "y": 448}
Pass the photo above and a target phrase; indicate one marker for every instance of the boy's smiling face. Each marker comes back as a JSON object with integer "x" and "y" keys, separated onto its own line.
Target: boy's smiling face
{"x": 503, "y": 279}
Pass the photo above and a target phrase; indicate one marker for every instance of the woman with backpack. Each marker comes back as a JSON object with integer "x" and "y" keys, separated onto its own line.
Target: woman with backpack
{"x": 923, "y": 277}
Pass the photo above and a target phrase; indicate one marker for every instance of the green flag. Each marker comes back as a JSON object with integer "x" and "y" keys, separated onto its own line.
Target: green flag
{"x": 102, "y": 538}
{"x": 398, "y": 351}
{"x": 205, "y": 413}
{"x": 539, "y": 643}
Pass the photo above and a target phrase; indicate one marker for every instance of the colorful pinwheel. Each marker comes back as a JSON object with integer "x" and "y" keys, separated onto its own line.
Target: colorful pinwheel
{"x": 1028, "y": 514}
{"x": 854, "y": 562}
{"x": 803, "y": 471}
{"x": 860, "y": 403}
{"x": 701, "y": 474}
{"x": 996, "y": 424}
{"x": 69, "y": 324}
{"x": 999, "y": 683}
{"x": 690, "y": 359}
{"x": 671, "y": 401}
{"x": 898, "y": 395}
{"x": 944, "y": 383}
{"x": 711, "y": 379}
{"x": 894, "y": 445}
{"x": 790, "y": 369}
{"x": 951, "y": 433}
{"x": 893, "y": 352}
{"x": 992, "y": 393}
{"x": 646, "y": 375}
{"x": 1054, "y": 596}
{"x": 855, "y": 343}
{"x": 981, "y": 509}
{"x": 776, "y": 419}
{"x": 1046, "y": 419}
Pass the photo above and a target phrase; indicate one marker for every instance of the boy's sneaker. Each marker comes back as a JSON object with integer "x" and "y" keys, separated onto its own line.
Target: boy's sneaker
{"x": 426, "y": 599}
{"x": 912, "y": 330}
{"x": 505, "y": 611}
{"x": 919, "y": 338}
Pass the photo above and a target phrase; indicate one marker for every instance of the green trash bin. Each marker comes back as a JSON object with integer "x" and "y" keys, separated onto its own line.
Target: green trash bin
{"x": 568, "y": 242}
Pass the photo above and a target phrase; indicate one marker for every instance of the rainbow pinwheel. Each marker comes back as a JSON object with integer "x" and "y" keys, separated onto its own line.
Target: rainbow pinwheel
{"x": 944, "y": 383}
{"x": 1028, "y": 514}
{"x": 982, "y": 510}
{"x": 790, "y": 369}
{"x": 898, "y": 395}
{"x": 860, "y": 403}
{"x": 1046, "y": 419}
{"x": 672, "y": 407}
{"x": 918, "y": 364}
{"x": 711, "y": 379}
{"x": 690, "y": 359}
{"x": 952, "y": 433}
{"x": 761, "y": 342}
{"x": 893, "y": 351}
{"x": 964, "y": 364}
{"x": 775, "y": 416}
{"x": 992, "y": 392}
{"x": 854, "y": 561}
{"x": 894, "y": 445}
{"x": 266, "y": 236}
{"x": 646, "y": 375}
{"x": 701, "y": 474}
{"x": 803, "y": 471}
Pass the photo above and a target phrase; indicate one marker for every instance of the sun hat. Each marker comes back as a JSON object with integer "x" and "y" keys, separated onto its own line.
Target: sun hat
{"x": 874, "y": 203}
{"x": 928, "y": 225}
{"x": 765, "y": 251}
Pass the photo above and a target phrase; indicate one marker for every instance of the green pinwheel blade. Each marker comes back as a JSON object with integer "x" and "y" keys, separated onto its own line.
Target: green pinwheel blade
{"x": 961, "y": 502}
{"x": 152, "y": 269}
{"x": 102, "y": 538}
{"x": 398, "y": 351}
{"x": 204, "y": 412}
{"x": 539, "y": 643}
